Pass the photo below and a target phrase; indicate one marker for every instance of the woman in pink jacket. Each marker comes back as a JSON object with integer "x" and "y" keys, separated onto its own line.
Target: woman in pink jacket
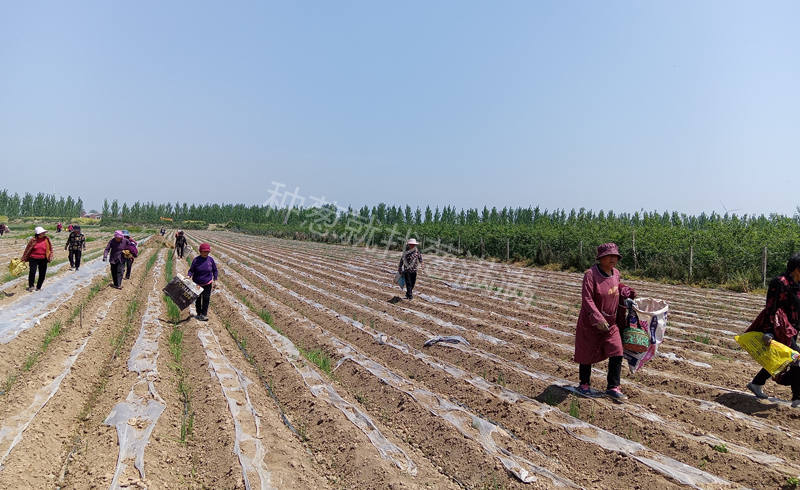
{"x": 597, "y": 336}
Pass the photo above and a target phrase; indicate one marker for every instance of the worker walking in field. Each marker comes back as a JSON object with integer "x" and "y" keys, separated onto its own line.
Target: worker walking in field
{"x": 114, "y": 249}
{"x": 3, "y": 228}
{"x": 597, "y": 335}
{"x": 180, "y": 243}
{"x": 37, "y": 254}
{"x": 779, "y": 322}
{"x": 410, "y": 262}
{"x": 203, "y": 272}
{"x": 129, "y": 254}
{"x": 76, "y": 244}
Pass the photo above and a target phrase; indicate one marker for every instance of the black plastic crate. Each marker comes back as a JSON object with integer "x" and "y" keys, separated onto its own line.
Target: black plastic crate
{"x": 182, "y": 291}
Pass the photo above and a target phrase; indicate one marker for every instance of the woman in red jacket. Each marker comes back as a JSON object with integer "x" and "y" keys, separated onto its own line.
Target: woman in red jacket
{"x": 597, "y": 335}
{"x": 37, "y": 254}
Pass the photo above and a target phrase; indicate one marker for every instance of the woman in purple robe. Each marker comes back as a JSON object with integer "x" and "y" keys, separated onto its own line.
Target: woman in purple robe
{"x": 597, "y": 335}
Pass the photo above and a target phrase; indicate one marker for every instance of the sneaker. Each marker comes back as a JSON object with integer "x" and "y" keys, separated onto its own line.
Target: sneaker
{"x": 71, "y": 268}
{"x": 38, "y": 289}
{"x": 757, "y": 390}
{"x": 30, "y": 289}
{"x": 795, "y": 403}
{"x": 202, "y": 318}
{"x": 616, "y": 393}
{"x": 585, "y": 389}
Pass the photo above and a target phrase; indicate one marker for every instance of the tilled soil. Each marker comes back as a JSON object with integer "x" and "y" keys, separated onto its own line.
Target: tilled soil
{"x": 311, "y": 373}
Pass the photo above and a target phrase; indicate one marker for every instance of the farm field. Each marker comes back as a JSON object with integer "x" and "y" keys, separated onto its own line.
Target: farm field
{"x": 313, "y": 373}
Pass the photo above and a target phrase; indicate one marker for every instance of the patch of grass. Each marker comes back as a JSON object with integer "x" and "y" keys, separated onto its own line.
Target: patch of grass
{"x": 266, "y": 316}
{"x": 703, "y": 339}
{"x": 54, "y": 331}
{"x": 173, "y": 312}
{"x": 574, "y": 408}
{"x": 319, "y": 358}
{"x": 792, "y": 481}
{"x": 720, "y": 448}
{"x": 501, "y": 380}
{"x": 30, "y": 361}
{"x": 169, "y": 266}
{"x": 176, "y": 345}
{"x": 8, "y": 383}
{"x": 150, "y": 262}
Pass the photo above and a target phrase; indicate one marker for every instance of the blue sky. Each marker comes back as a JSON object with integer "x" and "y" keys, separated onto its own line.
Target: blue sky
{"x": 681, "y": 105}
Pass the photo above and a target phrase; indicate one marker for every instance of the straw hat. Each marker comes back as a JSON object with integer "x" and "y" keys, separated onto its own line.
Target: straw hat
{"x": 412, "y": 241}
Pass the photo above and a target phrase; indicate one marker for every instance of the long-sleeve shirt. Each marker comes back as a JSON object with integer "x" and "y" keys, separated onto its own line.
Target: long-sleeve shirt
{"x": 781, "y": 315}
{"x": 410, "y": 260}
{"x": 115, "y": 248}
{"x": 203, "y": 270}
{"x": 600, "y": 297}
{"x": 75, "y": 242}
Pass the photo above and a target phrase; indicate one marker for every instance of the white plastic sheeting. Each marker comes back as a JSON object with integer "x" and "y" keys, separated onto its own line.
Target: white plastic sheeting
{"x": 672, "y": 468}
{"x": 246, "y": 422}
{"x": 136, "y": 417}
{"x": 28, "y": 311}
{"x": 15, "y": 425}
{"x": 325, "y": 391}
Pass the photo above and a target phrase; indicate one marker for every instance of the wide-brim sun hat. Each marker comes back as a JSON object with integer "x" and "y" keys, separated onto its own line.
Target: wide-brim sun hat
{"x": 412, "y": 241}
{"x": 125, "y": 233}
{"x": 607, "y": 249}
{"x": 39, "y": 230}
{"x": 204, "y": 247}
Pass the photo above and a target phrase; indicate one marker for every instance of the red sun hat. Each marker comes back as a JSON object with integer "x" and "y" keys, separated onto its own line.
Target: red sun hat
{"x": 204, "y": 247}
{"x": 607, "y": 249}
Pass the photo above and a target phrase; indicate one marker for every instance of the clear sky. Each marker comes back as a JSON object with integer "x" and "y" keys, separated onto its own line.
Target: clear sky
{"x": 663, "y": 105}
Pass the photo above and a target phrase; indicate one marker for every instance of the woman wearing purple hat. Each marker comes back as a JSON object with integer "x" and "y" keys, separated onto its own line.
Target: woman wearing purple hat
{"x": 115, "y": 248}
{"x": 597, "y": 336}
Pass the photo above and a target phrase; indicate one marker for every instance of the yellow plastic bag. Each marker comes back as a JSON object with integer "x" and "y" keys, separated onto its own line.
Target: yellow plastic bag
{"x": 774, "y": 358}
{"x": 17, "y": 267}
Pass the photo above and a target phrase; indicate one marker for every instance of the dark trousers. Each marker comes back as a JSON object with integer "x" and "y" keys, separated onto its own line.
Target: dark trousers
{"x": 411, "y": 279}
{"x": 789, "y": 378}
{"x": 201, "y": 303}
{"x": 116, "y": 272}
{"x": 614, "y": 372}
{"x": 34, "y": 264}
{"x": 179, "y": 250}
{"x": 75, "y": 258}
{"x": 128, "y": 265}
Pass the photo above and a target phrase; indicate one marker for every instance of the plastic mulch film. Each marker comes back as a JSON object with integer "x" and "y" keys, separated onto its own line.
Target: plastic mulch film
{"x": 28, "y": 311}
{"x": 247, "y": 423}
{"x": 465, "y": 422}
{"x": 672, "y": 468}
{"x": 136, "y": 417}
{"x": 11, "y": 432}
{"x": 325, "y": 391}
